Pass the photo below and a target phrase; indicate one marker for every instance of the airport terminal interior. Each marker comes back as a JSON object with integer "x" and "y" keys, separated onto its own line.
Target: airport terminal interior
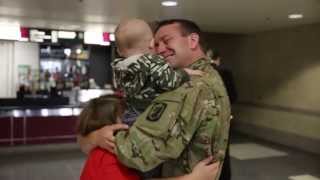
{"x": 56, "y": 56}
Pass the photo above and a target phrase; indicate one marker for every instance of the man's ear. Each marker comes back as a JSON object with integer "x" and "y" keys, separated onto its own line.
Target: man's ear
{"x": 194, "y": 40}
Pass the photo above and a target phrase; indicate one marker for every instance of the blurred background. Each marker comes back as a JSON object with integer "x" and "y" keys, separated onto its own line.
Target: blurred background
{"x": 55, "y": 56}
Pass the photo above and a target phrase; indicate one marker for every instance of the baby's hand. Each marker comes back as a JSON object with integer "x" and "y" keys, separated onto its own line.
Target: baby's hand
{"x": 194, "y": 72}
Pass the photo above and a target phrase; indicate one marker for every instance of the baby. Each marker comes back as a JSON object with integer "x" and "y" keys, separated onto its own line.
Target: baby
{"x": 140, "y": 74}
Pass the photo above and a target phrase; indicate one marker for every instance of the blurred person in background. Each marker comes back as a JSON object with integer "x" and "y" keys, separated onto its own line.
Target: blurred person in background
{"x": 228, "y": 80}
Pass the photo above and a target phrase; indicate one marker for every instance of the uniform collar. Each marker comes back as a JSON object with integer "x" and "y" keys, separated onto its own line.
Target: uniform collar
{"x": 200, "y": 63}
{"x": 123, "y": 63}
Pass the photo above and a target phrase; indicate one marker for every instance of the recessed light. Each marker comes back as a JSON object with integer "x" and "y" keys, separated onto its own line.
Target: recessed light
{"x": 79, "y": 51}
{"x": 295, "y": 16}
{"x": 169, "y": 3}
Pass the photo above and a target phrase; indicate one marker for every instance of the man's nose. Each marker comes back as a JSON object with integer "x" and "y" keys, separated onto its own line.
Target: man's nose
{"x": 161, "y": 49}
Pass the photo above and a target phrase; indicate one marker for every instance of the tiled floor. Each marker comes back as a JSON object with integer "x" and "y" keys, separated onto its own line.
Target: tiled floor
{"x": 251, "y": 160}
{"x": 303, "y": 177}
{"x": 280, "y": 164}
{"x": 248, "y": 151}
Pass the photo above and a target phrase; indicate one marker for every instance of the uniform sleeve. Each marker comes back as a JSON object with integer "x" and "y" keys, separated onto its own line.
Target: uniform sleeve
{"x": 162, "y": 132}
{"x": 165, "y": 77}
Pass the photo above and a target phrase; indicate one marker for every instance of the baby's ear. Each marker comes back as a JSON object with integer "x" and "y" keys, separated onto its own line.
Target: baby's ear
{"x": 151, "y": 45}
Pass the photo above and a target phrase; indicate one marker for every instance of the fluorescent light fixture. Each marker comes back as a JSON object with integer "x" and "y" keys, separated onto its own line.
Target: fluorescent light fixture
{"x": 295, "y": 16}
{"x": 10, "y": 31}
{"x": 169, "y": 3}
{"x": 67, "y": 34}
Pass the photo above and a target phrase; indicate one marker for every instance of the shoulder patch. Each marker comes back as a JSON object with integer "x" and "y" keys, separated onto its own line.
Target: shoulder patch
{"x": 156, "y": 111}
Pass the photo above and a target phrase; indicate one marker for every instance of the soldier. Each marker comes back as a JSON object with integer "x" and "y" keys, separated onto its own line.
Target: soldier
{"x": 103, "y": 165}
{"x": 180, "y": 127}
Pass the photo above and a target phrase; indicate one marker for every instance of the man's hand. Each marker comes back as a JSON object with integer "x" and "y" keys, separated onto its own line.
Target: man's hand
{"x": 192, "y": 72}
{"x": 105, "y": 136}
{"x": 205, "y": 170}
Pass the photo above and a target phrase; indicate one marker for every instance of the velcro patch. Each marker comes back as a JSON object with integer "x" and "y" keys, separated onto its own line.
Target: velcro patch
{"x": 156, "y": 111}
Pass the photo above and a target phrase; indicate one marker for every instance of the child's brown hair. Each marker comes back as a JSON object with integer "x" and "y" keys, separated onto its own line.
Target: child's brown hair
{"x": 99, "y": 112}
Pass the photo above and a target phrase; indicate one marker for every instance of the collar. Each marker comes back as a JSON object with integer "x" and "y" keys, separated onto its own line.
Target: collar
{"x": 199, "y": 64}
{"x": 123, "y": 63}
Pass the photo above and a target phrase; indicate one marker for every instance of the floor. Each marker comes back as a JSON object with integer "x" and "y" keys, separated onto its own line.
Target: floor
{"x": 251, "y": 159}
{"x": 261, "y": 160}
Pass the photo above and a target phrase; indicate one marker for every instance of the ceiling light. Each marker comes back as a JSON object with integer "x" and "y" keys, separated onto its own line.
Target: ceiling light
{"x": 44, "y": 112}
{"x": 78, "y": 51}
{"x": 67, "y": 52}
{"x": 295, "y": 16}
{"x": 169, "y": 3}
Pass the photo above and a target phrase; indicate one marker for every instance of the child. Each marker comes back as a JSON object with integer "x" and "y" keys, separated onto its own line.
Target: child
{"x": 141, "y": 75}
{"x": 103, "y": 165}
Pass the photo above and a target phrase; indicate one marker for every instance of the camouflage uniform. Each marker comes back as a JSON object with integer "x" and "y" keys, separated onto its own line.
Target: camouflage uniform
{"x": 143, "y": 77}
{"x": 180, "y": 127}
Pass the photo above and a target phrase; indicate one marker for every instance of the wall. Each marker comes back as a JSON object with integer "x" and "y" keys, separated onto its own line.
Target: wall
{"x": 13, "y": 54}
{"x": 25, "y": 53}
{"x": 100, "y": 65}
{"x": 6, "y": 68}
{"x": 277, "y": 74}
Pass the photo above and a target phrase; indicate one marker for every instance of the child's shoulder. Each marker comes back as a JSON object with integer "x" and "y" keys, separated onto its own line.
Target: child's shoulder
{"x": 152, "y": 58}
{"x": 101, "y": 155}
{"x": 124, "y": 63}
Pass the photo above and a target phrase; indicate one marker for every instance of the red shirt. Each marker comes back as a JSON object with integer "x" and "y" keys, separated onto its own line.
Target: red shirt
{"x": 103, "y": 165}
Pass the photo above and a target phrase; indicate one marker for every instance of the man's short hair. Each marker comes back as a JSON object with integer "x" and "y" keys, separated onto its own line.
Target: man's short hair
{"x": 187, "y": 27}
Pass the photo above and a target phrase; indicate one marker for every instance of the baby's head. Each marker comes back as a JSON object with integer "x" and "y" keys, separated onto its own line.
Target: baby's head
{"x": 133, "y": 37}
{"x": 101, "y": 111}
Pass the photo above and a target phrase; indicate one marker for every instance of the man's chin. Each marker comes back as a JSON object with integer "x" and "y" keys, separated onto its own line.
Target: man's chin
{"x": 172, "y": 64}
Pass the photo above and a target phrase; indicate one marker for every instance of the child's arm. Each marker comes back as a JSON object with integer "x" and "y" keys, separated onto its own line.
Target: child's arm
{"x": 99, "y": 138}
{"x": 164, "y": 76}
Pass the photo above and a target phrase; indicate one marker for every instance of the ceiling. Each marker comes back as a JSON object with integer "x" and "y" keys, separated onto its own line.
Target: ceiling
{"x": 224, "y": 16}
